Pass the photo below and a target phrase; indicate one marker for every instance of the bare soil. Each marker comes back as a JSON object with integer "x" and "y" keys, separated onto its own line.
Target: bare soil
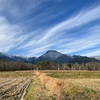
{"x": 12, "y": 89}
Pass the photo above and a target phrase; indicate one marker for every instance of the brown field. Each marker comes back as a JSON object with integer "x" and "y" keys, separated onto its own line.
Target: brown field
{"x": 13, "y": 85}
{"x": 12, "y": 89}
{"x": 50, "y": 85}
{"x": 71, "y": 85}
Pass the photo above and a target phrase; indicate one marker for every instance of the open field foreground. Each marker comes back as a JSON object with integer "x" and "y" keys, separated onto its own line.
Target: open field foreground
{"x": 13, "y": 85}
{"x": 13, "y": 89}
{"x": 50, "y": 85}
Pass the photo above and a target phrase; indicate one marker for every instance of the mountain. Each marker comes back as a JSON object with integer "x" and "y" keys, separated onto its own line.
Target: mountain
{"x": 55, "y": 56}
{"x": 96, "y": 57}
{"x": 19, "y": 58}
{"x": 51, "y": 55}
{"x": 81, "y": 59}
{"x": 8, "y": 57}
{"x": 5, "y": 57}
{"x": 32, "y": 60}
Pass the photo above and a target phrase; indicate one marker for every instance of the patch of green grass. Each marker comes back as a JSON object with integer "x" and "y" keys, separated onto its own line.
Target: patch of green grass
{"x": 75, "y": 74}
{"x": 79, "y": 93}
{"x": 29, "y": 95}
{"x": 37, "y": 92}
{"x": 88, "y": 90}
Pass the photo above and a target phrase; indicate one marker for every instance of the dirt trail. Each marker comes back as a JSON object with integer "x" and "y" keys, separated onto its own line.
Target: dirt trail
{"x": 53, "y": 85}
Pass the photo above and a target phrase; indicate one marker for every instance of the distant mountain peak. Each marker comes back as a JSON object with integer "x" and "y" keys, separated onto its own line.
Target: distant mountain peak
{"x": 51, "y": 54}
{"x": 49, "y": 51}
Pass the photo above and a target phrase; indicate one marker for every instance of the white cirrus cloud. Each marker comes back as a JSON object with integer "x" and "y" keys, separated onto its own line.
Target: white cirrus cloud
{"x": 55, "y": 34}
{"x": 58, "y": 36}
{"x": 10, "y": 35}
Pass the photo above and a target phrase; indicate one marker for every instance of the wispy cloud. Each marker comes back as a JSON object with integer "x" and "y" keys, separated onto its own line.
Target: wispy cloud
{"x": 74, "y": 34}
{"x": 92, "y": 53}
{"x": 18, "y": 8}
{"x": 10, "y": 35}
{"x": 21, "y": 8}
{"x": 90, "y": 39}
{"x": 70, "y": 43}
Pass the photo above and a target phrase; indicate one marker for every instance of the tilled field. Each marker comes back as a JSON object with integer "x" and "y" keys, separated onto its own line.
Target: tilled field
{"x": 13, "y": 88}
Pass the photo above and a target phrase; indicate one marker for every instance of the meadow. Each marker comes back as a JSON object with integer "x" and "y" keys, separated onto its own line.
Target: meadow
{"x": 50, "y": 85}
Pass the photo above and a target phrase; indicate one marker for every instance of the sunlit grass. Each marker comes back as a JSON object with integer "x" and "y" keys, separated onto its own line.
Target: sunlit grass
{"x": 17, "y": 74}
{"x": 74, "y": 74}
{"x": 70, "y": 85}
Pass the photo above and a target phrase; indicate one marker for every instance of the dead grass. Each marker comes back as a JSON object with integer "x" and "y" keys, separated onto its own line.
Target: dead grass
{"x": 63, "y": 85}
{"x": 13, "y": 84}
{"x": 17, "y": 74}
{"x": 37, "y": 91}
{"x": 71, "y": 89}
{"x": 13, "y": 89}
{"x": 74, "y": 74}
{"x": 51, "y": 84}
{"x": 90, "y": 83}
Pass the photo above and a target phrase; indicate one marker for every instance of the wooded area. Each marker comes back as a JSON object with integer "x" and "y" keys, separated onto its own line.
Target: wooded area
{"x": 45, "y": 65}
{"x": 13, "y": 66}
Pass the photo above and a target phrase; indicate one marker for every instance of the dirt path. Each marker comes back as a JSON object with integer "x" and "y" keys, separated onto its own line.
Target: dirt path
{"x": 53, "y": 85}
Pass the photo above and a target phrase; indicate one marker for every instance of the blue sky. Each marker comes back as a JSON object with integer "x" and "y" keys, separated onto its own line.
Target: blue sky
{"x": 31, "y": 27}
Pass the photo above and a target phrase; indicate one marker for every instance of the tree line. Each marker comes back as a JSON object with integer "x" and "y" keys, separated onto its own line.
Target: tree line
{"x": 14, "y": 66}
{"x": 45, "y": 65}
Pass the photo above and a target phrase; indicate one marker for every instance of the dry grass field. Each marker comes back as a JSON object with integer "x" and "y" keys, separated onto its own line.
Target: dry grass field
{"x": 78, "y": 85}
{"x": 13, "y": 85}
{"x": 50, "y": 85}
{"x": 12, "y": 89}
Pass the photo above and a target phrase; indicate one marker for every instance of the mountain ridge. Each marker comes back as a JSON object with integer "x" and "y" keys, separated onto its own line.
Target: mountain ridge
{"x": 50, "y": 55}
{"x": 96, "y": 57}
